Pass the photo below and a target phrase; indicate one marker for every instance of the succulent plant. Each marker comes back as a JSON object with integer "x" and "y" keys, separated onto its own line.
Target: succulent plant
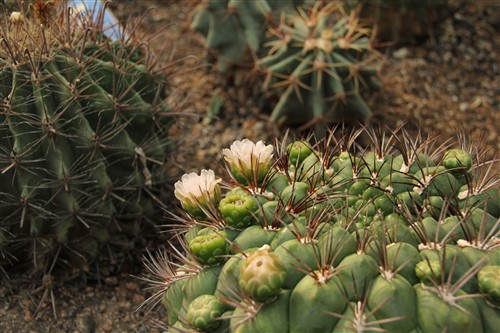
{"x": 83, "y": 126}
{"x": 316, "y": 58}
{"x": 235, "y": 29}
{"x": 341, "y": 239}
{"x": 318, "y": 62}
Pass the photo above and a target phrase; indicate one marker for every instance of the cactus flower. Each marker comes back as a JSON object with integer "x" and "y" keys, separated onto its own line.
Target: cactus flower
{"x": 197, "y": 192}
{"x": 249, "y": 161}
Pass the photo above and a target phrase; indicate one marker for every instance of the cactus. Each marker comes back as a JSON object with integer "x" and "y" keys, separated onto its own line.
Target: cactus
{"x": 317, "y": 59}
{"x": 83, "y": 138}
{"x": 340, "y": 239}
{"x": 318, "y": 62}
{"x": 234, "y": 29}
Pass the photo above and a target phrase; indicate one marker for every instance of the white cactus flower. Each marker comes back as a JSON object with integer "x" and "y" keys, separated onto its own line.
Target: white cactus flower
{"x": 247, "y": 153}
{"x": 193, "y": 190}
{"x": 248, "y": 159}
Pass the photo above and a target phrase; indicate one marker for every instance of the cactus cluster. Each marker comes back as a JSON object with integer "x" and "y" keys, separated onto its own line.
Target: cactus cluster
{"x": 83, "y": 138}
{"x": 400, "y": 236}
{"x": 315, "y": 56}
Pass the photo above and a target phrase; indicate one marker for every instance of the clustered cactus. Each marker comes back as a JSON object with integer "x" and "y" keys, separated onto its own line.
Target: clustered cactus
{"x": 401, "y": 236}
{"x": 83, "y": 137}
{"x": 316, "y": 58}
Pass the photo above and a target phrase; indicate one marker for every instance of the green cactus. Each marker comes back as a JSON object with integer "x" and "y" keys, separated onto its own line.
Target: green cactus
{"x": 318, "y": 62}
{"x": 235, "y": 29}
{"x": 83, "y": 139}
{"x": 324, "y": 256}
{"x": 316, "y": 57}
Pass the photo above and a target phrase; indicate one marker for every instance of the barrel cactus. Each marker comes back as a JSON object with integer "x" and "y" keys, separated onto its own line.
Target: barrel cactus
{"x": 318, "y": 62}
{"x": 316, "y": 57}
{"x": 399, "y": 237}
{"x": 83, "y": 126}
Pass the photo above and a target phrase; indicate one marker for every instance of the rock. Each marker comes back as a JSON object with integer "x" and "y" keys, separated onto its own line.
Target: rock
{"x": 402, "y": 53}
{"x": 85, "y": 323}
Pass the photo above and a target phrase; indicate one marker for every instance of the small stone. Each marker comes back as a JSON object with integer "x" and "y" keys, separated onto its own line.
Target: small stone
{"x": 107, "y": 327}
{"x": 111, "y": 281}
{"x": 402, "y": 53}
{"x": 85, "y": 323}
{"x": 132, "y": 286}
{"x": 463, "y": 106}
{"x": 138, "y": 298}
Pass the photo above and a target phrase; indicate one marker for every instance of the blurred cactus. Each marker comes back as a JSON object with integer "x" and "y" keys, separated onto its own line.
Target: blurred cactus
{"x": 83, "y": 138}
{"x": 315, "y": 57}
{"x": 318, "y": 62}
{"x": 235, "y": 29}
{"x": 341, "y": 239}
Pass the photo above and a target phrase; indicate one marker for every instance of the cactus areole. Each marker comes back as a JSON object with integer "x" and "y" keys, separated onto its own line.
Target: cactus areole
{"x": 83, "y": 125}
{"x": 340, "y": 240}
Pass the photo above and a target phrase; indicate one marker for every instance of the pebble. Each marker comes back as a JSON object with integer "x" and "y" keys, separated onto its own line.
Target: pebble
{"x": 402, "y": 53}
{"x": 85, "y": 323}
{"x": 111, "y": 281}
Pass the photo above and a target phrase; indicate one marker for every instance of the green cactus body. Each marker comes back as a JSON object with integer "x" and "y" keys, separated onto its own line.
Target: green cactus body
{"x": 367, "y": 257}
{"x": 310, "y": 295}
{"x": 490, "y": 316}
{"x": 233, "y": 28}
{"x": 453, "y": 262}
{"x": 356, "y": 318}
{"x": 83, "y": 139}
{"x": 289, "y": 232}
{"x": 356, "y": 272}
{"x": 436, "y": 315}
{"x": 403, "y": 257}
{"x": 172, "y": 300}
{"x": 229, "y": 277}
{"x": 319, "y": 56}
{"x": 269, "y": 317}
{"x": 490, "y": 198}
{"x": 394, "y": 297}
{"x": 337, "y": 243}
{"x": 489, "y": 282}
{"x": 295, "y": 254}
{"x": 203, "y": 283}
{"x": 254, "y": 236}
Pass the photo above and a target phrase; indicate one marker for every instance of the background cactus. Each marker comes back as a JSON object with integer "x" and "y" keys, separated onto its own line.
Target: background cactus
{"x": 318, "y": 61}
{"x": 83, "y": 138}
{"x": 343, "y": 239}
{"x": 234, "y": 30}
{"x": 316, "y": 58}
